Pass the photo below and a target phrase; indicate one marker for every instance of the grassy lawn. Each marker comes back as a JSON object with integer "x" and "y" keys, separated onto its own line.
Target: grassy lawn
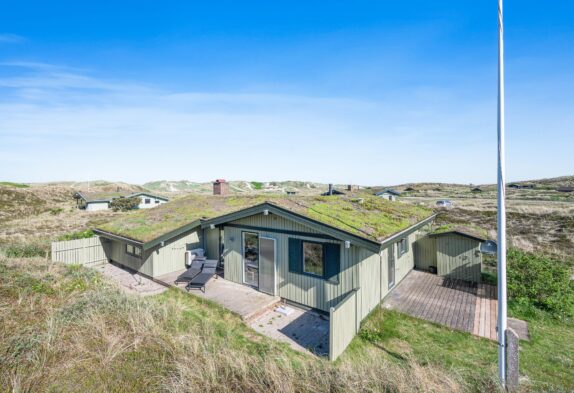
{"x": 547, "y": 360}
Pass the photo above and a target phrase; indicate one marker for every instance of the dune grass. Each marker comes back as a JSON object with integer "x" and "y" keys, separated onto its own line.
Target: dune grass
{"x": 67, "y": 329}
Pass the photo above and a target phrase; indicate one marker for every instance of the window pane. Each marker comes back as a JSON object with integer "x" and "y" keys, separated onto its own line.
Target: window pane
{"x": 137, "y": 251}
{"x": 129, "y": 249}
{"x": 313, "y": 258}
{"x": 251, "y": 249}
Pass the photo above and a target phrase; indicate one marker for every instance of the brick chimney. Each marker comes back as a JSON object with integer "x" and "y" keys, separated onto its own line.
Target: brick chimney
{"x": 220, "y": 187}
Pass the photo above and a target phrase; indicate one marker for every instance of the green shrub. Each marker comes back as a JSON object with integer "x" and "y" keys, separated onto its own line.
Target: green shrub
{"x": 257, "y": 185}
{"x": 539, "y": 281}
{"x": 77, "y": 235}
{"x": 25, "y": 250}
{"x": 125, "y": 204}
{"x": 56, "y": 211}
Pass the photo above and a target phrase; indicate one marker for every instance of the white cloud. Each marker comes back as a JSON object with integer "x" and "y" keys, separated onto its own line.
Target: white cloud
{"x": 69, "y": 125}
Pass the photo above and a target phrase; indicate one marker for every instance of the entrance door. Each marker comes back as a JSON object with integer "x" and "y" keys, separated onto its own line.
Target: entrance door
{"x": 251, "y": 259}
{"x": 267, "y": 265}
{"x": 391, "y": 266}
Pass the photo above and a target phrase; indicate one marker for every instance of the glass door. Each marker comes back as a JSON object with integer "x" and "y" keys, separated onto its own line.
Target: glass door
{"x": 251, "y": 259}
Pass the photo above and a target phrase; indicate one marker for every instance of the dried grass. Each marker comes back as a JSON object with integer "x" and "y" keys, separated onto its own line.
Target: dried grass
{"x": 55, "y": 337}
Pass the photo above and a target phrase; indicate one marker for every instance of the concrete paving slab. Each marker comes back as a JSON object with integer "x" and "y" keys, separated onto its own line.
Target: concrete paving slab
{"x": 131, "y": 282}
{"x": 305, "y": 331}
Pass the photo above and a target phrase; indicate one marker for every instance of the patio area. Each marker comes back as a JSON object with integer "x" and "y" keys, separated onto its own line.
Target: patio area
{"x": 245, "y": 301}
{"x": 305, "y": 331}
{"x": 457, "y": 304}
{"x": 130, "y": 282}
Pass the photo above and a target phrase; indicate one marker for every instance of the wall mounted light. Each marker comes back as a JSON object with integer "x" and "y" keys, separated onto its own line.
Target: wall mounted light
{"x": 347, "y": 244}
{"x": 211, "y": 226}
{"x": 265, "y": 212}
{"x": 162, "y": 243}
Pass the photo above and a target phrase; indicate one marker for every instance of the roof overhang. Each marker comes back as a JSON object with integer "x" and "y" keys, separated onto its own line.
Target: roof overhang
{"x": 413, "y": 228}
{"x": 461, "y": 233}
{"x": 113, "y": 236}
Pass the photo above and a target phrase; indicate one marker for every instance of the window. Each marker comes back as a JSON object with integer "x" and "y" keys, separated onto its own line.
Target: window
{"x": 133, "y": 250}
{"x": 313, "y": 258}
{"x": 147, "y": 201}
{"x": 402, "y": 246}
{"x": 157, "y": 201}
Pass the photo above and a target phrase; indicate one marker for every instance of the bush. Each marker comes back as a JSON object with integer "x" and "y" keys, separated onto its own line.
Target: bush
{"x": 541, "y": 282}
{"x": 25, "y": 250}
{"x": 77, "y": 235}
{"x": 124, "y": 204}
{"x": 56, "y": 211}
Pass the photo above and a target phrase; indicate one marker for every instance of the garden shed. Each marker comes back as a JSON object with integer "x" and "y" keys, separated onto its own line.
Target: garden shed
{"x": 454, "y": 254}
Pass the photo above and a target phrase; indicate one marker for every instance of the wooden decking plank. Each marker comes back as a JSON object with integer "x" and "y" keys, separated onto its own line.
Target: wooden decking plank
{"x": 493, "y": 313}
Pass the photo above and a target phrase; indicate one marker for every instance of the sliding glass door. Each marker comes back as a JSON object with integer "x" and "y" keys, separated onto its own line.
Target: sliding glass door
{"x": 251, "y": 259}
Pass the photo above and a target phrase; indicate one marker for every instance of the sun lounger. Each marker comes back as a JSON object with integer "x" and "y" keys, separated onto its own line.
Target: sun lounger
{"x": 199, "y": 281}
{"x": 189, "y": 274}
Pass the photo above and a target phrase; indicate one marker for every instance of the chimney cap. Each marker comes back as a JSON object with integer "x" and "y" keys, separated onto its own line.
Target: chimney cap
{"x": 220, "y": 180}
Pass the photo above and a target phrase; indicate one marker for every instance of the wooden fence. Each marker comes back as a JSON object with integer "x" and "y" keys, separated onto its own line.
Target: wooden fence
{"x": 87, "y": 252}
{"x": 343, "y": 324}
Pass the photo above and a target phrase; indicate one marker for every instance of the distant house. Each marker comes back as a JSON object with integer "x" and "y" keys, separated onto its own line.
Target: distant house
{"x": 518, "y": 186}
{"x": 476, "y": 189}
{"x": 332, "y": 191}
{"x": 409, "y": 189}
{"x": 388, "y": 194}
{"x": 93, "y": 201}
{"x": 565, "y": 189}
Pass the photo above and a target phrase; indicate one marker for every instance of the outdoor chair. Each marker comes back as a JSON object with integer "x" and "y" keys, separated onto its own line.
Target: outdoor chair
{"x": 189, "y": 274}
{"x": 199, "y": 281}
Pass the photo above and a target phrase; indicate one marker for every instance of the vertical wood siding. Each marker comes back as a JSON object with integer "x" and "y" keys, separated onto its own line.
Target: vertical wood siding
{"x": 116, "y": 251}
{"x": 458, "y": 257}
{"x": 343, "y": 325}
{"x": 369, "y": 295}
{"x": 300, "y": 288}
{"x": 406, "y": 262}
{"x": 87, "y": 252}
{"x": 425, "y": 252}
{"x": 171, "y": 257}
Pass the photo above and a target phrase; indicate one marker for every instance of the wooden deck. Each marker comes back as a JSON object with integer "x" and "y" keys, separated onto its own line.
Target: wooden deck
{"x": 457, "y": 304}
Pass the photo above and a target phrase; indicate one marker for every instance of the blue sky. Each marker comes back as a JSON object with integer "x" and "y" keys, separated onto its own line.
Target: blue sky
{"x": 367, "y": 92}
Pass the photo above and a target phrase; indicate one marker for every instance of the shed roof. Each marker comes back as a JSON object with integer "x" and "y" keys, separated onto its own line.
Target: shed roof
{"x": 472, "y": 233}
{"x": 372, "y": 218}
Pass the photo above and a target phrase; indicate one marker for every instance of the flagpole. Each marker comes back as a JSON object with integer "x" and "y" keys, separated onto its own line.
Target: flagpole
{"x": 501, "y": 218}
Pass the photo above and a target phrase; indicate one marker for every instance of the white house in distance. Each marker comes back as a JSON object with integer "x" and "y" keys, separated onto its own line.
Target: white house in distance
{"x": 388, "y": 194}
{"x": 95, "y": 201}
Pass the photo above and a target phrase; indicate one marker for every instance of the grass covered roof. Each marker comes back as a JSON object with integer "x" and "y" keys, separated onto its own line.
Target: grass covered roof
{"x": 362, "y": 215}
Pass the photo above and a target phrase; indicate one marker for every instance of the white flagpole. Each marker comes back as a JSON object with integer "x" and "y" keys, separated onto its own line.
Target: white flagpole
{"x": 501, "y": 219}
